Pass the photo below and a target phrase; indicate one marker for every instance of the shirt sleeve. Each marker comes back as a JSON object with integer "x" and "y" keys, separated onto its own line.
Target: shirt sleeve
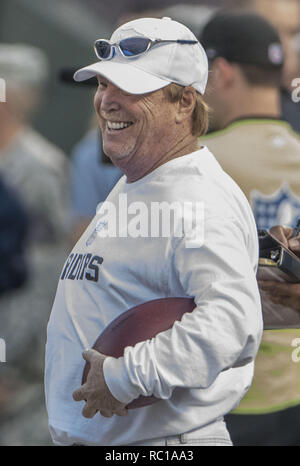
{"x": 222, "y": 332}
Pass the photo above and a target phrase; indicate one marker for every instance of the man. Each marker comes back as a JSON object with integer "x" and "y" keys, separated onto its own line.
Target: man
{"x": 285, "y": 16}
{"x": 201, "y": 367}
{"x": 262, "y": 154}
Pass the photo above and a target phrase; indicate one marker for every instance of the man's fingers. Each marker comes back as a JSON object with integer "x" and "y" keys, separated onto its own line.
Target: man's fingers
{"x": 89, "y": 411}
{"x": 285, "y": 236}
{"x": 121, "y": 412}
{"x": 106, "y": 413}
{"x": 90, "y": 354}
{"x": 282, "y": 234}
{"x": 294, "y": 243}
{"x": 79, "y": 394}
{"x": 118, "y": 412}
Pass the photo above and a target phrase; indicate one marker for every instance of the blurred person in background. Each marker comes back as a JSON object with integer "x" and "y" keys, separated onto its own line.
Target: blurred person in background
{"x": 38, "y": 171}
{"x": 285, "y": 16}
{"x": 13, "y": 240}
{"x": 261, "y": 153}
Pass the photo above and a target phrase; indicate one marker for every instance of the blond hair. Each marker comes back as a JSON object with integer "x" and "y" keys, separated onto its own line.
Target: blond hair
{"x": 200, "y": 115}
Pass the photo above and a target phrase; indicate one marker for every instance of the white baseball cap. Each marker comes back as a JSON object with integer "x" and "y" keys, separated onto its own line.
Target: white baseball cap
{"x": 163, "y": 64}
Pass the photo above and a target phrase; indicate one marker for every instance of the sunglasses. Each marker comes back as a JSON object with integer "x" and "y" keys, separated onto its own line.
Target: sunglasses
{"x": 131, "y": 47}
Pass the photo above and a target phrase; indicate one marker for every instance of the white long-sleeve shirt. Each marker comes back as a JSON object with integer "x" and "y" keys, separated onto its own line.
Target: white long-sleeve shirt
{"x": 203, "y": 365}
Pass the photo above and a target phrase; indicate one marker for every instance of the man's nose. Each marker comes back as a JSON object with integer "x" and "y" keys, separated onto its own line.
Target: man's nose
{"x": 111, "y": 98}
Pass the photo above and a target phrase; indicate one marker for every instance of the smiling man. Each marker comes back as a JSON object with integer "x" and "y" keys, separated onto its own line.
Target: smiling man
{"x": 152, "y": 76}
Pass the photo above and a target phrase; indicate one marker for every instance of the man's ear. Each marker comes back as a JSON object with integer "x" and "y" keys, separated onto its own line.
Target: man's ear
{"x": 186, "y": 104}
{"x": 222, "y": 73}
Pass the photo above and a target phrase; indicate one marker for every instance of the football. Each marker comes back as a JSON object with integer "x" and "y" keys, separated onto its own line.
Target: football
{"x": 140, "y": 323}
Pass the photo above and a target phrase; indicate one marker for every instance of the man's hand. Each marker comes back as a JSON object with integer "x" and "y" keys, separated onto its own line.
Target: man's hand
{"x": 285, "y": 236}
{"x": 95, "y": 391}
{"x": 286, "y": 294}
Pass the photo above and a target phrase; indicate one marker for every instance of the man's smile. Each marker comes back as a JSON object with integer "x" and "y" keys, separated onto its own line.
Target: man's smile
{"x": 118, "y": 125}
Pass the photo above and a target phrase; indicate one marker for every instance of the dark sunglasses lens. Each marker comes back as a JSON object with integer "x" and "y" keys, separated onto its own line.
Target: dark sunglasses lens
{"x": 103, "y": 49}
{"x": 134, "y": 45}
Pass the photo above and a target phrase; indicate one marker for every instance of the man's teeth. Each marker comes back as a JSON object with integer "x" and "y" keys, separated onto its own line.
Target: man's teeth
{"x": 118, "y": 125}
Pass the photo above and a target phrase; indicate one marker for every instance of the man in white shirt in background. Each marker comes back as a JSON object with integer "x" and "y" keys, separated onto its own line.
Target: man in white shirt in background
{"x": 151, "y": 112}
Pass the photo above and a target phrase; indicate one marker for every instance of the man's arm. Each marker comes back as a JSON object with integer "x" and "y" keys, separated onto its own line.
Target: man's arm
{"x": 222, "y": 332}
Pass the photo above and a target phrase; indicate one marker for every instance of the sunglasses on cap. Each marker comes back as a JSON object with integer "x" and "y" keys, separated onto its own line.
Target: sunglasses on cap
{"x": 131, "y": 46}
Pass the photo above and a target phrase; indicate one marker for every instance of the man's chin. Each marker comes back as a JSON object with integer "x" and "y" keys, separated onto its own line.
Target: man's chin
{"x": 114, "y": 155}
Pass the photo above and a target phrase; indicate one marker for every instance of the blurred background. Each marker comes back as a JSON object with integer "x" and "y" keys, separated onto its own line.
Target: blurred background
{"x": 66, "y": 30}
{"x": 45, "y": 154}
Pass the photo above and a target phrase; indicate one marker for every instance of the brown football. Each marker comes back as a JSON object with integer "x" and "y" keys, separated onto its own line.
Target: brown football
{"x": 140, "y": 323}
